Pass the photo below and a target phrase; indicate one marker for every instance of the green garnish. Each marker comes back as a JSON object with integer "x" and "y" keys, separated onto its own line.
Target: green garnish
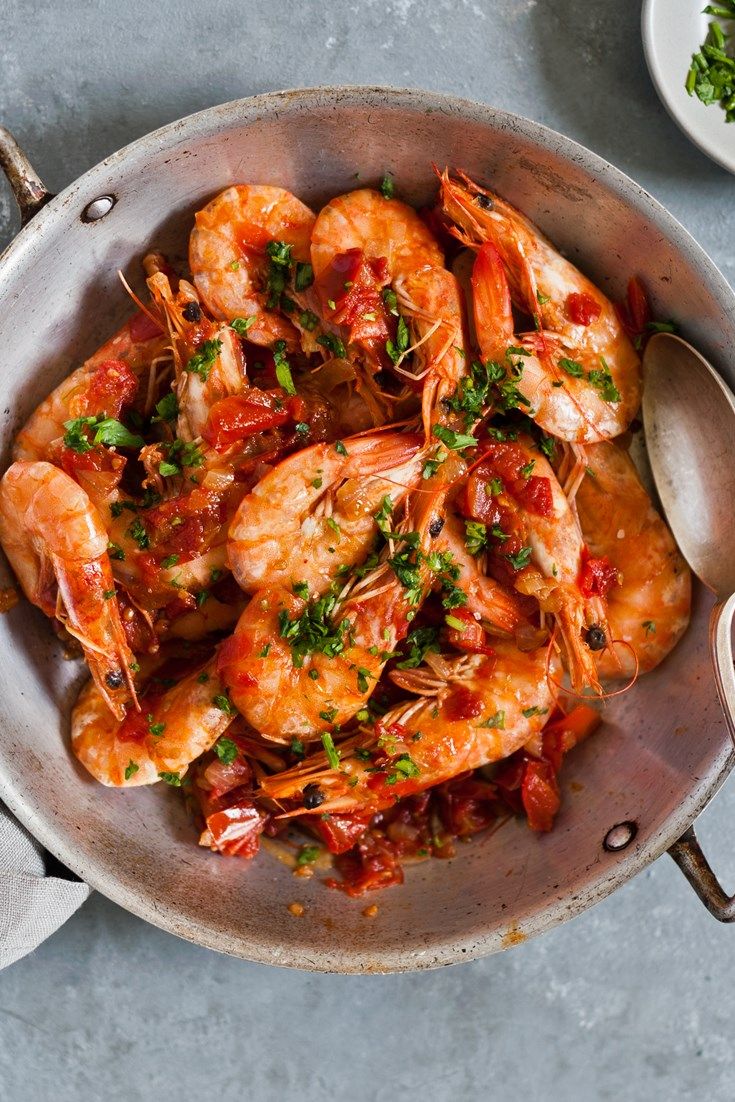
{"x": 131, "y": 769}
{"x": 223, "y": 702}
{"x": 179, "y": 454}
{"x": 711, "y": 75}
{"x": 387, "y": 187}
{"x": 167, "y": 409}
{"x": 137, "y": 532}
{"x": 279, "y": 254}
{"x": 171, "y": 778}
{"x": 391, "y": 300}
{"x": 304, "y": 276}
{"x": 455, "y": 622}
{"x": 297, "y": 748}
{"x": 404, "y": 769}
{"x": 283, "y": 370}
{"x": 340, "y": 448}
{"x": 398, "y": 348}
{"x": 529, "y": 712}
{"x": 496, "y": 720}
{"x": 201, "y": 362}
{"x": 334, "y": 344}
{"x": 314, "y": 631}
{"x": 475, "y": 537}
{"x": 241, "y": 325}
{"x": 308, "y": 320}
{"x": 330, "y": 750}
{"x": 420, "y": 642}
{"x": 169, "y": 561}
{"x": 115, "y": 552}
{"x": 527, "y": 471}
{"x": 650, "y": 627}
{"x": 307, "y": 855}
{"x": 520, "y": 559}
{"x": 226, "y": 750}
{"x": 103, "y": 430}
{"x": 454, "y": 440}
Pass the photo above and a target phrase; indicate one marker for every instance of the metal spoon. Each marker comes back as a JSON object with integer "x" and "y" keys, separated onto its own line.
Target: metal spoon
{"x": 689, "y": 418}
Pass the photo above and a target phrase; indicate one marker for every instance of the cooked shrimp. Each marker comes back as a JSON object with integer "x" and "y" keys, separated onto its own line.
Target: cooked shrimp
{"x": 207, "y": 357}
{"x": 229, "y": 261}
{"x": 583, "y": 377}
{"x": 314, "y": 513}
{"x": 431, "y": 300}
{"x": 472, "y": 710}
{"x": 57, "y": 546}
{"x": 158, "y": 742}
{"x": 486, "y": 597}
{"x": 294, "y": 665}
{"x": 535, "y": 539}
{"x": 105, "y": 384}
{"x": 649, "y": 610}
{"x": 361, "y": 244}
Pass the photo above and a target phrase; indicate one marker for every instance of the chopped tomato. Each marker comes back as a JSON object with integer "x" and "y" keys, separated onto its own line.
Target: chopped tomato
{"x": 471, "y": 637}
{"x": 540, "y": 795}
{"x": 369, "y": 865}
{"x": 508, "y": 462}
{"x": 243, "y": 415}
{"x": 635, "y": 312}
{"x": 236, "y": 830}
{"x": 353, "y": 284}
{"x": 112, "y": 387}
{"x": 462, "y": 703}
{"x": 340, "y": 832}
{"x": 597, "y": 576}
{"x": 185, "y": 525}
{"x": 582, "y": 308}
{"x": 563, "y": 734}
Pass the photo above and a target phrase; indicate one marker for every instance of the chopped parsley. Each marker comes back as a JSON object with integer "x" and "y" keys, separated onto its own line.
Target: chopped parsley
{"x": 334, "y": 344}
{"x": 226, "y": 750}
{"x": 241, "y": 325}
{"x": 179, "y": 454}
{"x": 283, "y": 369}
{"x": 497, "y": 720}
{"x": 527, "y": 471}
{"x": 456, "y": 441}
{"x": 711, "y": 75}
{"x": 297, "y": 748}
{"x": 398, "y": 348}
{"x": 103, "y": 430}
{"x": 279, "y": 268}
{"x": 520, "y": 559}
{"x": 171, "y": 778}
{"x": 650, "y": 627}
{"x": 308, "y": 320}
{"x": 391, "y": 301}
{"x": 340, "y": 448}
{"x": 330, "y": 750}
{"x": 304, "y": 276}
{"x": 382, "y": 515}
{"x": 169, "y": 561}
{"x": 404, "y": 769}
{"x": 530, "y": 712}
{"x": 131, "y": 769}
{"x": 137, "y": 532}
{"x": 475, "y": 538}
{"x": 307, "y": 855}
{"x": 201, "y": 362}
{"x": 167, "y": 409}
{"x": 115, "y": 552}
{"x": 387, "y": 187}
{"x": 223, "y": 702}
{"x": 420, "y": 642}
{"x": 314, "y": 631}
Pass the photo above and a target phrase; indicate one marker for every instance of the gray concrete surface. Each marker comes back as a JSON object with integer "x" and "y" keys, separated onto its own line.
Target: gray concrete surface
{"x": 632, "y": 1001}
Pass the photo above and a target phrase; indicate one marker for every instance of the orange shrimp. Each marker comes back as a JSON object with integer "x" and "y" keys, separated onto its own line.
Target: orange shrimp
{"x": 582, "y": 376}
{"x": 294, "y": 664}
{"x": 470, "y": 711}
{"x": 650, "y": 607}
{"x": 313, "y": 514}
{"x": 158, "y": 742}
{"x": 229, "y": 258}
{"x": 57, "y": 546}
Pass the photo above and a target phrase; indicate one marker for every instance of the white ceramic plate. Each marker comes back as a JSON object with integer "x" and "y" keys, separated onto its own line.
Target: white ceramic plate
{"x": 672, "y": 31}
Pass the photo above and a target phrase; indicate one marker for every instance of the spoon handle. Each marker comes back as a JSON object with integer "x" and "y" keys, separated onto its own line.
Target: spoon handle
{"x": 720, "y": 641}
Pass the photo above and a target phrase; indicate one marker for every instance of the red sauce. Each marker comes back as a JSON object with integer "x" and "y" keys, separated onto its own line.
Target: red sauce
{"x": 582, "y": 308}
{"x": 340, "y": 832}
{"x": 462, "y": 703}
{"x": 186, "y": 525}
{"x": 505, "y": 461}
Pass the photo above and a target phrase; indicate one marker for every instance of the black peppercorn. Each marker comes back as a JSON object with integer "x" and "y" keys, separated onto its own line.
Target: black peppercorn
{"x": 595, "y": 637}
{"x": 484, "y": 201}
{"x": 313, "y": 797}
{"x": 192, "y": 311}
{"x": 436, "y": 526}
{"x": 114, "y": 679}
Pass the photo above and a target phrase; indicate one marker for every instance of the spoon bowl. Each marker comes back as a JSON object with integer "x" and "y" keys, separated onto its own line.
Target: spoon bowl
{"x": 689, "y": 418}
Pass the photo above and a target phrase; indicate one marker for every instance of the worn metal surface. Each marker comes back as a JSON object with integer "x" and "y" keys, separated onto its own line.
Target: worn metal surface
{"x": 632, "y": 999}
{"x": 509, "y": 886}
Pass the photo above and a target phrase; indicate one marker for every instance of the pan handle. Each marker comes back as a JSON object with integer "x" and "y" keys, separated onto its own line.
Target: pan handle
{"x": 28, "y": 188}
{"x": 688, "y": 855}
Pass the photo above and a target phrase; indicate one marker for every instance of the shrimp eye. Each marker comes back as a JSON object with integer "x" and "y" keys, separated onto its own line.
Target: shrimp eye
{"x": 484, "y": 201}
{"x": 436, "y": 526}
{"x": 114, "y": 679}
{"x": 595, "y": 637}
{"x": 313, "y": 796}
{"x": 192, "y": 311}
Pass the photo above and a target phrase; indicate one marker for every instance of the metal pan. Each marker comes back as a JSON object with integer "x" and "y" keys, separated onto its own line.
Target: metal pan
{"x": 631, "y": 792}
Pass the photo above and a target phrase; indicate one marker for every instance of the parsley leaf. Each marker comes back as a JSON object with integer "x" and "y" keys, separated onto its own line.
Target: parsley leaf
{"x": 226, "y": 750}
{"x": 201, "y": 362}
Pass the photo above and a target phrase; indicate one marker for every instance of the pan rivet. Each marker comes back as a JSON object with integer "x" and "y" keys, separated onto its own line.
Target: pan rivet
{"x": 98, "y": 208}
{"x": 620, "y": 836}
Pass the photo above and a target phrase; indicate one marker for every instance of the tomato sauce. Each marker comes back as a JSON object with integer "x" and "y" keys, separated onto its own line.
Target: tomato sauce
{"x": 582, "y": 309}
